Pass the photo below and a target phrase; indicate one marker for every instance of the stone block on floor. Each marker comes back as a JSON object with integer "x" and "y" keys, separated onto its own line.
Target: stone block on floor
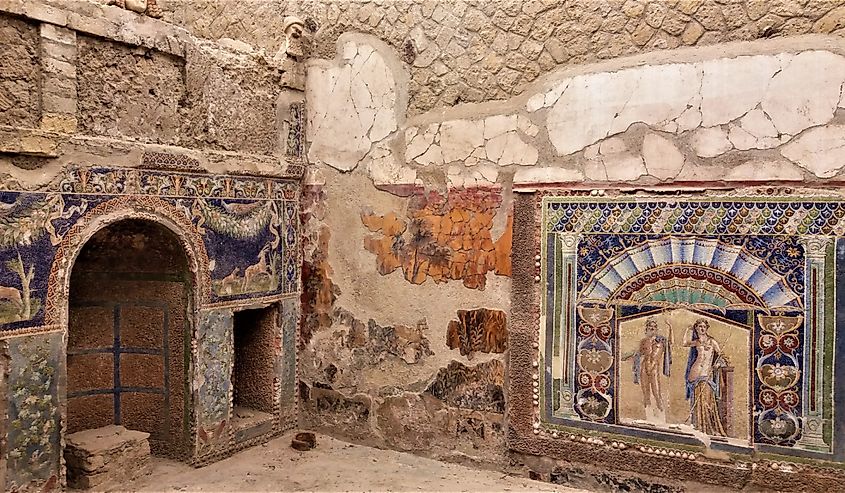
{"x": 106, "y": 456}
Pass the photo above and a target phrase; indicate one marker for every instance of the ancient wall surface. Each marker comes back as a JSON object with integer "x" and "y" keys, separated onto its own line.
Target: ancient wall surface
{"x": 410, "y": 221}
{"x": 475, "y": 51}
{"x": 19, "y": 86}
{"x": 109, "y": 115}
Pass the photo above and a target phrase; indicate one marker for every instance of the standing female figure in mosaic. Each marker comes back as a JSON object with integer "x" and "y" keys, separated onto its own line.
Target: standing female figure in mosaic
{"x": 703, "y": 378}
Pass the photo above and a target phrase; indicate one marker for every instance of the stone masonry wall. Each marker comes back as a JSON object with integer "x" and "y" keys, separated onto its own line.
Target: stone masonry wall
{"x": 19, "y": 84}
{"x": 475, "y": 51}
{"x": 409, "y": 215}
{"x": 86, "y": 83}
{"x": 107, "y": 114}
{"x": 126, "y": 91}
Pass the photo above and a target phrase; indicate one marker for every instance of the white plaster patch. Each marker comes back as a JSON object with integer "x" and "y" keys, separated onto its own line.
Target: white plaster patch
{"x": 459, "y": 176}
{"x": 508, "y": 148}
{"x": 740, "y": 138}
{"x": 493, "y": 139}
{"x": 458, "y": 138}
{"x": 546, "y": 99}
{"x": 662, "y": 158}
{"x": 624, "y": 167}
{"x": 595, "y": 106}
{"x": 535, "y": 175}
{"x": 432, "y": 156}
{"x": 732, "y": 87}
{"x": 765, "y": 171}
{"x": 819, "y": 150}
{"x": 417, "y": 143}
{"x": 612, "y": 145}
{"x": 661, "y": 93}
{"x": 385, "y": 169}
{"x": 495, "y": 126}
{"x": 690, "y": 119}
{"x": 535, "y": 102}
{"x": 806, "y": 92}
{"x": 526, "y": 126}
{"x": 710, "y": 142}
{"x": 794, "y": 91}
{"x": 586, "y": 110}
{"x": 594, "y": 170}
{"x": 756, "y": 123}
{"x": 352, "y": 104}
{"x": 700, "y": 172}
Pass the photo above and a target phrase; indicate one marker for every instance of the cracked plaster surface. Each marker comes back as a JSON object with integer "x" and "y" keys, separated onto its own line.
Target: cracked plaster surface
{"x": 820, "y": 150}
{"x": 670, "y": 121}
{"x": 352, "y": 105}
{"x": 495, "y": 139}
{"x": 772, "y": 95}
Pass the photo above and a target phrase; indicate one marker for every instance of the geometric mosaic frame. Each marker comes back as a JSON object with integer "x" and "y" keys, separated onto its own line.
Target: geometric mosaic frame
{"x": 610, "y": 259}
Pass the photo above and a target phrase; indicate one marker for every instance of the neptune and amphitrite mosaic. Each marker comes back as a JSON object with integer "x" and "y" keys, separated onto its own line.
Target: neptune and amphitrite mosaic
{"x": 693, "y": 320}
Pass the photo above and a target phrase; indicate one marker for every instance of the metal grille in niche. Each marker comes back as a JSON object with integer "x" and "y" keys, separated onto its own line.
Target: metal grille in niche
{"x": 118, "y": 349}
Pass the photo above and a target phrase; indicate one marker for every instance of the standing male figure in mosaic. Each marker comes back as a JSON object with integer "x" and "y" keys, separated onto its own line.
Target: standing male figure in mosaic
{"x": 654, "y": 351}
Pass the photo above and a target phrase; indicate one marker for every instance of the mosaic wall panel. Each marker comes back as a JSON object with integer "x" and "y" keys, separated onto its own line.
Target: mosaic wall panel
{"x": 33, "y": 444}
{"x": 213, "y": 386}
{"x": 694, "y": 321}
{"x": 289, "y": 315}
{"x": 248, "y": 228}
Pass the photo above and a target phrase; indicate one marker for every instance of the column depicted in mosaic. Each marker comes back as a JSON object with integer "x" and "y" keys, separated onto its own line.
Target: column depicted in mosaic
{"x": 690, "y": 320}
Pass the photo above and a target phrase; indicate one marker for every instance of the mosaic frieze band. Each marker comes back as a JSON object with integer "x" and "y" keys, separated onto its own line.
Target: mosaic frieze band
{"x": 695, "y": 321}
{"x": 242, "y": 230}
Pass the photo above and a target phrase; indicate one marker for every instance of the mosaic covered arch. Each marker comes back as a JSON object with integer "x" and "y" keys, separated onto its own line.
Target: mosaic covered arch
{"x": 102, "y": 215}
{"x": 240, "y": 234}
{"x": 688, "y": 320}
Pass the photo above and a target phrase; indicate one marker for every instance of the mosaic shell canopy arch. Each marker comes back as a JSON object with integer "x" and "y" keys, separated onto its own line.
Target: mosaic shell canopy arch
{"x": 694, "y": 320}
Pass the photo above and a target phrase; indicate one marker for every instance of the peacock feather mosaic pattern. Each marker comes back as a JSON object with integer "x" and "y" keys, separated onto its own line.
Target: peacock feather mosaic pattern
{"x": 692, "y": 320}
{"x": 246, "y": 227}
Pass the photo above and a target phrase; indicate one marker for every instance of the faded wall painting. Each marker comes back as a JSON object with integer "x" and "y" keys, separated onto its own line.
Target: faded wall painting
{"x": 442, "y": 238}
{"x": 690, "y": 320}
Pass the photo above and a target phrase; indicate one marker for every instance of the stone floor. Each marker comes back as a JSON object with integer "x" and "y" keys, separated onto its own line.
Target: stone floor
{"x": 332, "y": 466}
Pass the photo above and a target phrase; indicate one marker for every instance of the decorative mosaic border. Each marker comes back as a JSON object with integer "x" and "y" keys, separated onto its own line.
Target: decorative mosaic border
{"x": 530, "y": 409}
{"x": 137, "y": 207}
{"x": 99, "y": 195}
{"x": 100, "y": 180}
{"x": 168, "y": 161}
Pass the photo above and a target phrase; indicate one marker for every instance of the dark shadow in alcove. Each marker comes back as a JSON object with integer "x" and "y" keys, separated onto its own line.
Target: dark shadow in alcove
{"x": 128, "y": 335}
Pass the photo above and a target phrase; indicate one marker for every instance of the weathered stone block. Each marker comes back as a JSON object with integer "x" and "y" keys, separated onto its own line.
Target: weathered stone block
{"x": 19, "y": 72}
{"x": 106, "y": 456}
{"x": 58, "y": 34}
{"x": 58, "y": 122}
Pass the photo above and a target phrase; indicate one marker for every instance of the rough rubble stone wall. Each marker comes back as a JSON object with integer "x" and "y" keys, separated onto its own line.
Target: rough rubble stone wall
{"x": 19, "y": 68}
{"x": 106, "y": 113}
{"x": 409, "y": 213}
{"x": 231, "y": 102}
{"x": 474, "y": 51}
{"x": 127, "y": 91}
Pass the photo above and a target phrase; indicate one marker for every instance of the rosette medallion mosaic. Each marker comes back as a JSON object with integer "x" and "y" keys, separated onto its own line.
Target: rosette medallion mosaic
{"x": 695, "y": 321}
